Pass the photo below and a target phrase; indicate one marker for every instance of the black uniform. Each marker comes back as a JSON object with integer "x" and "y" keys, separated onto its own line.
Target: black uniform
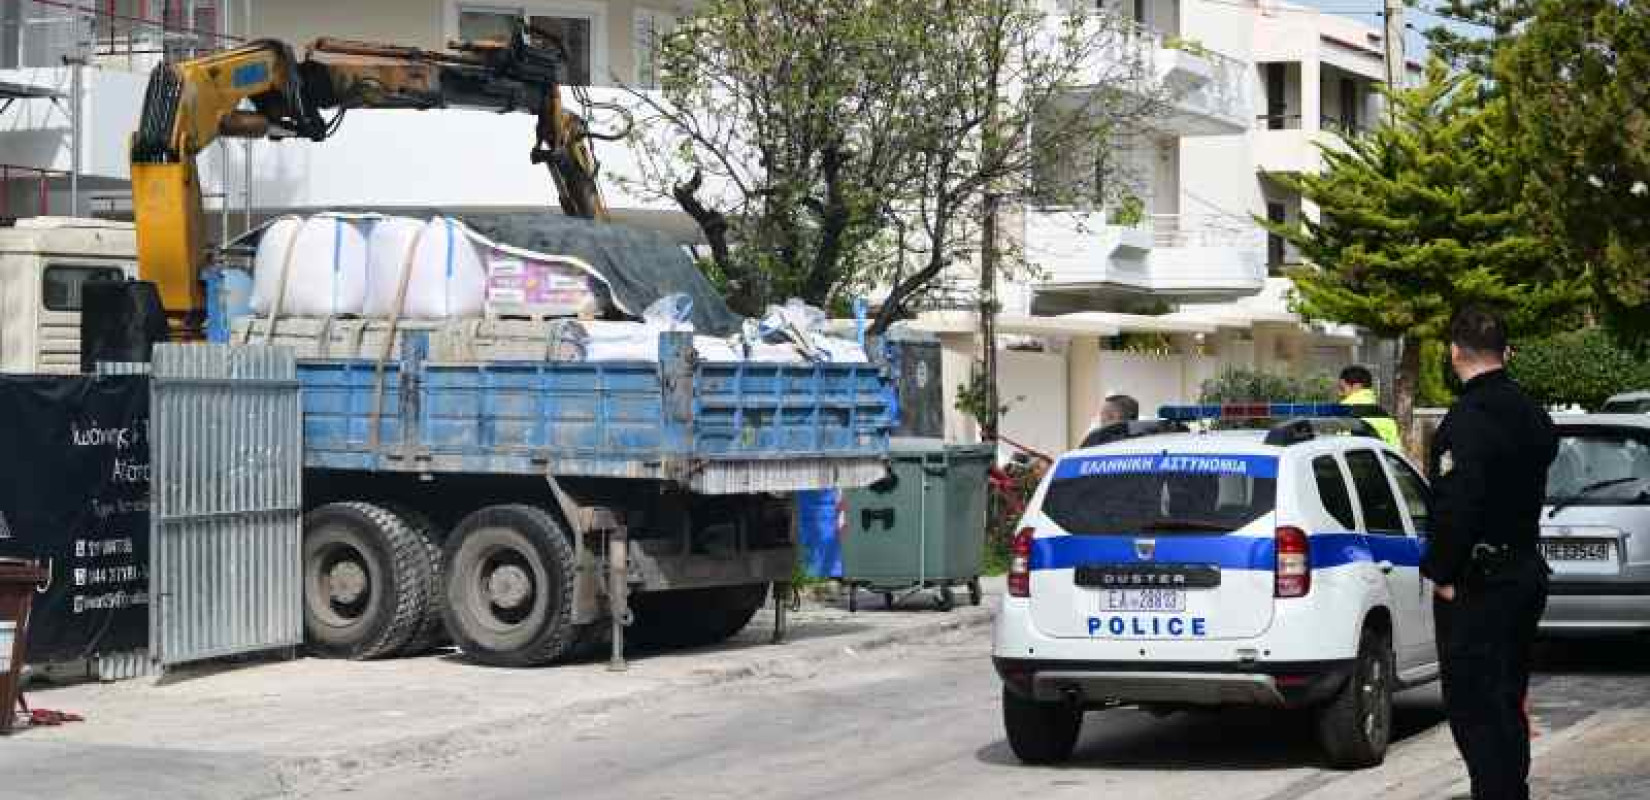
{"x": 1489, "y": 466}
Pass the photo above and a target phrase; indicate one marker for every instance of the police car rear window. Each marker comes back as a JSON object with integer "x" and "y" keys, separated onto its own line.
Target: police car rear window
{"x": 1163, "y": 494}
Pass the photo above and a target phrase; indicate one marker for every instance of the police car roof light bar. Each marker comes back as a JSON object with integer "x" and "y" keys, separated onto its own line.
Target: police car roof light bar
{"x": 1254, "y": 411}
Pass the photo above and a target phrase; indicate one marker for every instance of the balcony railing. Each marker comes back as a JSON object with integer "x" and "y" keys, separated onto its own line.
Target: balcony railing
{"x": 1278, "y": 122}
{"x": 103, "y": 33}
{"x": 1223, "y": 94}
{"x": 1204, "y": 230}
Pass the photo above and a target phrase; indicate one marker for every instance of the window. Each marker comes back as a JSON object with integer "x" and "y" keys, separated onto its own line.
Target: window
{"x": 1414, "y": 491}
{"x": 1332, "y": 491}
{"x": 1374, "y": 494}
{"x": 1162, "y": 503}
{"x": 1275, "y": 252}
{"x": 1600, "y": 466}
{"x": 579, "y": 32}
{"x": 1349, "y": 106}
{"x": 651, "y": 28}
{"x": 60, "y": 287}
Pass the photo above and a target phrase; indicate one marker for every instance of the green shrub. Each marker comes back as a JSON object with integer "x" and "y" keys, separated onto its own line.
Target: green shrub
{"x": 1583, "y": 367}
{"x": 1235, "y": 385}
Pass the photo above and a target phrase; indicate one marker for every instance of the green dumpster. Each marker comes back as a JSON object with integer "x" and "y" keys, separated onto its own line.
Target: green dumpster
{"x": 922, "y": 528}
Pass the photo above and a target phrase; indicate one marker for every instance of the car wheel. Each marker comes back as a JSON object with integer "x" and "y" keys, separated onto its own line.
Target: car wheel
{"x": 1040, "y": 733}
{"x": 1355, "y": 728}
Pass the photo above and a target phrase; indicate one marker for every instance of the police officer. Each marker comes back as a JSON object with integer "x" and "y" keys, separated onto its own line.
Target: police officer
{"x": 1116, "y": 413}
{"x": 1489, "y": 466}
{"x": 1358, "y": 391}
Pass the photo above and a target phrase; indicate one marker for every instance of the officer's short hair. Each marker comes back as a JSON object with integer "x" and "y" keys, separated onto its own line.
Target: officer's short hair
{"x": 1357, "y": 376}
{"x": 1479, "y": 331}
{"x": 1129, "y": 406}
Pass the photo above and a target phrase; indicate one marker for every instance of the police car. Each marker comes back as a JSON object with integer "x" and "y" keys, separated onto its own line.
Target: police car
{"x": 1175, "y": 569}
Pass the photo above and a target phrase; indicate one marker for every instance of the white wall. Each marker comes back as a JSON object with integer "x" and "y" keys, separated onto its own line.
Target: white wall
{"x": 1033, "y": 385}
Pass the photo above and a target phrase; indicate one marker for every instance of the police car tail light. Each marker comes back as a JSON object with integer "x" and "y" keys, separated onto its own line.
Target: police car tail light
{"x": 1294, "y": 563}
{"x": 1019, "y": 564}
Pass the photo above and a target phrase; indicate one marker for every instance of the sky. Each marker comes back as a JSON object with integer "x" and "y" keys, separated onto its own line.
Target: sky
{"x": 1369, "y": 13}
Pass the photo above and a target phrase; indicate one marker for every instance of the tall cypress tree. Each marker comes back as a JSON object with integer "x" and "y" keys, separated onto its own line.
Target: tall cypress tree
{"x": 1419, "y": 217}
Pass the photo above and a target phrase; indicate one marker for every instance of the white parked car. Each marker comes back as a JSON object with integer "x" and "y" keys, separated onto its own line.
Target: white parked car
{"x": 1274, "y": 567}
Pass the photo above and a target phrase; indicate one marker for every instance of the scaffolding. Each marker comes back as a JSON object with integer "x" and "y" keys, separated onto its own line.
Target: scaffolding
{"x": 120, "y": 35}
{"x": 116, "y": 34}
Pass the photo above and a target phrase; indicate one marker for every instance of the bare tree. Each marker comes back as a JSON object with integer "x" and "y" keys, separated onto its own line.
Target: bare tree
{"x": 826, "y": 148}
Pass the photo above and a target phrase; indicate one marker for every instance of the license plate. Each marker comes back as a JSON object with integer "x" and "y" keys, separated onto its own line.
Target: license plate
{"x": 1578, "y": 551}
{"x": 1143, "y": 600}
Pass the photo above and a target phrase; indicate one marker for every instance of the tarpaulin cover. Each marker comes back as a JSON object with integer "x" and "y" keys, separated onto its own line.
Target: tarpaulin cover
{"x": 639, "y": 266}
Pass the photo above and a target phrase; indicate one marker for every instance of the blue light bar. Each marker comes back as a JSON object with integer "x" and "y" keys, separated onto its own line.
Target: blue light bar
{"x": 1244, "y": 411}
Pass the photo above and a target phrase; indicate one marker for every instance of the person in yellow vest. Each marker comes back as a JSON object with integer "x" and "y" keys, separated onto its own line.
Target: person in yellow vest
{"x": 1358, "y": 391}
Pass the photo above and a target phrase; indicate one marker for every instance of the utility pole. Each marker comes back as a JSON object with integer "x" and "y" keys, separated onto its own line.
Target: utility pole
{"x": 1396, "y": 69}
{"x": 988, "y": 313}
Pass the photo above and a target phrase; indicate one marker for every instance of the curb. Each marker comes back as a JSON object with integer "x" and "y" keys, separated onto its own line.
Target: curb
{"x": 306, "y": 775}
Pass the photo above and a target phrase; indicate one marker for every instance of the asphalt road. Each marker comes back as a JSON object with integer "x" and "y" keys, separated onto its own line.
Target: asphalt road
{"x": 923, "y": 722}
{"x": 909, "y": 722}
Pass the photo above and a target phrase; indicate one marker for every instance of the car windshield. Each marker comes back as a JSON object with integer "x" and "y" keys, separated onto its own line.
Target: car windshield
{"x": 1161, "y": 494}
{"x": 1636, "y": 405}
{"x": 1600, "y": 467}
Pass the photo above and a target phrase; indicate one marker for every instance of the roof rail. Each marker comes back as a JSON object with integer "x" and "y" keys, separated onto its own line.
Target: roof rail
{"x": 1305, "y": 429}
{"x": 1293, "y": 423}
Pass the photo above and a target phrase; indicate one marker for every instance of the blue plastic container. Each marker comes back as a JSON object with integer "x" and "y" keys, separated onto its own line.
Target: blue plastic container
{"x": 816, "y": 527}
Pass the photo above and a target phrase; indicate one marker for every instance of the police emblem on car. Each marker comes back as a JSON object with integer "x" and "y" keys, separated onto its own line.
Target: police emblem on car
{"x": 1145, "y": 549}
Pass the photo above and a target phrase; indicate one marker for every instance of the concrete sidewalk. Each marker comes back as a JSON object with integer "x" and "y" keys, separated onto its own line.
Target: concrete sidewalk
{"x": 266, "y": 728}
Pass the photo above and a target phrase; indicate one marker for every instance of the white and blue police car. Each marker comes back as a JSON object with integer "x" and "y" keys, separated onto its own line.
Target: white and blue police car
{"x": 1273, "y": 566}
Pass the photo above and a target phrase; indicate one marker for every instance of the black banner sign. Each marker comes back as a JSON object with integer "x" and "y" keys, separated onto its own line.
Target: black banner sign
{"x": 74, "y": 493}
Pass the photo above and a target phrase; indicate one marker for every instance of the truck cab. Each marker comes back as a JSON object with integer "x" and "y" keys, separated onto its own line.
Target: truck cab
{"x": 44, "y": 263}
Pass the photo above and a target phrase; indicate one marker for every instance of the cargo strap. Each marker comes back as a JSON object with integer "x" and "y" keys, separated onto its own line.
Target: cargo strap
{"x": 389, "y": 338}
{"x": 280, "y": 286}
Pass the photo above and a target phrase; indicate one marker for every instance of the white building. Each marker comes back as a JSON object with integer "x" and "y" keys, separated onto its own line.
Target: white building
{"x": 1258, "y": 83}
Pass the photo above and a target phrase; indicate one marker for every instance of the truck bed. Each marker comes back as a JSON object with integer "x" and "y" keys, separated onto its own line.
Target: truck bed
{"x": 713, "y": 428}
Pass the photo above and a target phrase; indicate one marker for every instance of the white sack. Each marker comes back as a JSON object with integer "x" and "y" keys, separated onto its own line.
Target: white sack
{"x": 267, "y": 262}
{"x": 387, "y": 248}
{"x": 448, "y": 280}
{"x": 327, "y": 274}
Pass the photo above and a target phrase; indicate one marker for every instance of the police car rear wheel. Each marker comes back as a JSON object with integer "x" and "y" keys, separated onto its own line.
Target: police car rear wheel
{"x": 1040, "y": 733}
{"x": 1356, "y": 726}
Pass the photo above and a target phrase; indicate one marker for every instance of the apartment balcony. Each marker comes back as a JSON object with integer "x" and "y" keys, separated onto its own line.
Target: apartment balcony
{"x": 1083, "y": 261}
{"x": 1282, "y": 146}
{"x": 1210, "y": 91}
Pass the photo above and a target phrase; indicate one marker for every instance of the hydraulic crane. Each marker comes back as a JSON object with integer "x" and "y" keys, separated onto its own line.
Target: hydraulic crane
{"x": 190, "y": 104}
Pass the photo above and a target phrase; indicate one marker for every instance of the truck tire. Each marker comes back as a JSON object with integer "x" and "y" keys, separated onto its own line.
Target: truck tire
{"x": 432, "y": 630}
{"x": 510, "y": 574}
{"x": 1040, "y": 733}
{"x": 366, "y": 581}
{"x": 694, "y": 617}
{"x": 1355, "y": 727}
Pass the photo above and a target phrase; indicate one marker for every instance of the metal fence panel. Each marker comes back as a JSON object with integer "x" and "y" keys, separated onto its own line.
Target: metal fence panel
{"x": 225, "y": 518}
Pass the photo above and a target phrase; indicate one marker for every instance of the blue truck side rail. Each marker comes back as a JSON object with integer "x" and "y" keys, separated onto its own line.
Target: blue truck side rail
{"x": 714, "y": 428}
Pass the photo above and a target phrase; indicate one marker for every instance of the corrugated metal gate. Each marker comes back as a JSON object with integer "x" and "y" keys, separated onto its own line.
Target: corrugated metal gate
{"x": 227, "y": 453}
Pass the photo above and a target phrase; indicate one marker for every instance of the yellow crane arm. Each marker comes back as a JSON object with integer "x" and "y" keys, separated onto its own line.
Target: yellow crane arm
{"x": 191, "y": 103}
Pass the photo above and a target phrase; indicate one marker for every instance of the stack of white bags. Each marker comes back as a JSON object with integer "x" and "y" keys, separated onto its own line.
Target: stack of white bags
{"x": 334, "y": 265}
{"x": 358, "y": 265}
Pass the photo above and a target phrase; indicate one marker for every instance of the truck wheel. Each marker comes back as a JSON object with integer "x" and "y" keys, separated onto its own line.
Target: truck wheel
{"x": 1040, "y": 733}
{"x": 366, "y": 581}
{"x": 432, "y": 630}
{"x": 510, "y": 573}
{"x": 694, "y": 617}
{"x": 1355, "y": 727}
